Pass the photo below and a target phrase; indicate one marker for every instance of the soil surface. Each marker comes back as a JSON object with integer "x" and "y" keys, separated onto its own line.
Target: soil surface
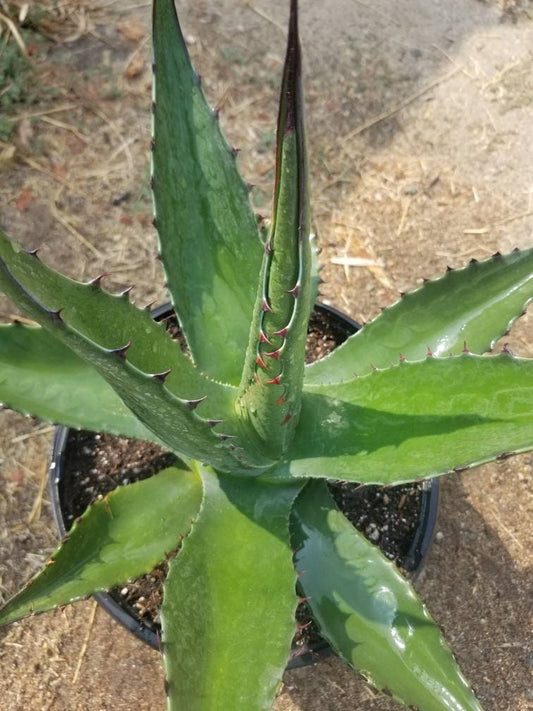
{"x": 93, "y": 464}
{"x": 420, "y": 122}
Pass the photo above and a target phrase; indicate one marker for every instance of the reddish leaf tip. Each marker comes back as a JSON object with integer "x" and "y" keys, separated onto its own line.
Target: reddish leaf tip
{"x": 261, "y": 363}
{"x": 294, "y": 291}
{"x": 273, "y": 354}
{"x": 263, "y": 338}
{"x": 282, "y": 332}
{"x": 127, "y": 291}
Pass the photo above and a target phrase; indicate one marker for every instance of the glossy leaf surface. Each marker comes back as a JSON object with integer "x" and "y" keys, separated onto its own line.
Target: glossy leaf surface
{"x": 112, "y": 322}
{"x": 476, "y": 304}
{"x": 122, "y": 536}
{"x": 369, "y": 612}
{"x": 39, "y": 376}
{"x": 415, "y": 420}
{"x": 209, "y": 240}
{"x": 173, "y": 420}
{"x": 229, "y": 601}
{"x": 272, "y": 380}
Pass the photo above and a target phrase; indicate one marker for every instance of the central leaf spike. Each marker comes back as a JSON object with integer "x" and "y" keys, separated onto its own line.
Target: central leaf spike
{"x": 271, "y": 386}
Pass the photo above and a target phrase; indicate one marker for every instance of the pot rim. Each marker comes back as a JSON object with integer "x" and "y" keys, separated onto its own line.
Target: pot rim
{"x": 148, "y": 632}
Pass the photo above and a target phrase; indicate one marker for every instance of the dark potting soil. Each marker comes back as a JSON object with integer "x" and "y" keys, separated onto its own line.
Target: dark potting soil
{"x": 98, "y": 463}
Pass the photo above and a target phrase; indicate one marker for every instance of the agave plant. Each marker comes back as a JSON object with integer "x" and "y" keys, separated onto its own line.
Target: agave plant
{"x": 257, "y": 432}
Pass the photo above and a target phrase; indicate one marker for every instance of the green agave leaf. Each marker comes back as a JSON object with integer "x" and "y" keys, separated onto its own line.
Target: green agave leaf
{"x": 122, "y": 536}
{"x": 476, "y": 304}
{"x": 415, "y": 420}
{"x": 270, "y": 392}
{"x": 173, "y": 420}
{"x": 370, "y": 613}
{"x": 229, "y": 601}
{"x": 113, "y": 322}
{"x": 39, "y": 376}
{"x": 209, "y": 241}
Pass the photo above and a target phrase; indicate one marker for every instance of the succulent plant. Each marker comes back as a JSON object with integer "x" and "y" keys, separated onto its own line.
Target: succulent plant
{"x": 257, "y": 432}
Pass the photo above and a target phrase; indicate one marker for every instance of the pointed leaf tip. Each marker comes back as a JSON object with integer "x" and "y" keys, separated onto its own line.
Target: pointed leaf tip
{"x": 56, "y": 315}
{"x": 292, "y": 78}
{"x": 121, "y": 352}
{"x": 193, "y": 404}
{"x": 97, "y": 281}
{"x": 162, "y": 376}
{"x": 33, "y": 252}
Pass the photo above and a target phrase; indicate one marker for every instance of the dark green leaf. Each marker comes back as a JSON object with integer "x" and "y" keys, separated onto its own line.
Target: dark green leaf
{"x": 173, "y": 420}
{"x": 112, "y": 322}
{"x": 229, "y": 601}
{"x": 370, "y": 613}
{"x": 476, "y": 304}
{"x": 415, "y": 420}
{"x": 207, "y": 230}
{"x": 272, "y": 379}
{"x": 39, "y": 376}
{"x": 122, "y": 536}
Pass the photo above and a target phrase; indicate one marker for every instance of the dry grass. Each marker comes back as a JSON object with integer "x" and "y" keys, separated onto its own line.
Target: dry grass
{"x": 395, "y": 199}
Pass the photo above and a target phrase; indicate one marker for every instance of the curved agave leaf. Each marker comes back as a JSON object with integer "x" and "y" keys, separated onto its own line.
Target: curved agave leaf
{"x": 369, "y": 612}
{"x": 39, "y": 376}
{"x": 476, "y": 304}
{"x": 113, "y": 322}
{"x": 209, "y": 241}
{"x": 122, "y": 536}
{"x": 415, "y": 420}
{"x": 173, "y": 420}
{"x": 270, "y": 391}
{"x": 229, "y": 600}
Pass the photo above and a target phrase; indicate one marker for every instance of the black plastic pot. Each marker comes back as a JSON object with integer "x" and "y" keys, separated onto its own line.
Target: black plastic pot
{"x": 148, "y": 632}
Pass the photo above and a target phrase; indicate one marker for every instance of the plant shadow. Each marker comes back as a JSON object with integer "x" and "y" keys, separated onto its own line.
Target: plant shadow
{"x": 476, "y": 591}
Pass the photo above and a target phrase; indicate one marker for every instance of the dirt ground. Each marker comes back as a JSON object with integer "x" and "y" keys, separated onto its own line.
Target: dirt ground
{"x": 420, "y": 122}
